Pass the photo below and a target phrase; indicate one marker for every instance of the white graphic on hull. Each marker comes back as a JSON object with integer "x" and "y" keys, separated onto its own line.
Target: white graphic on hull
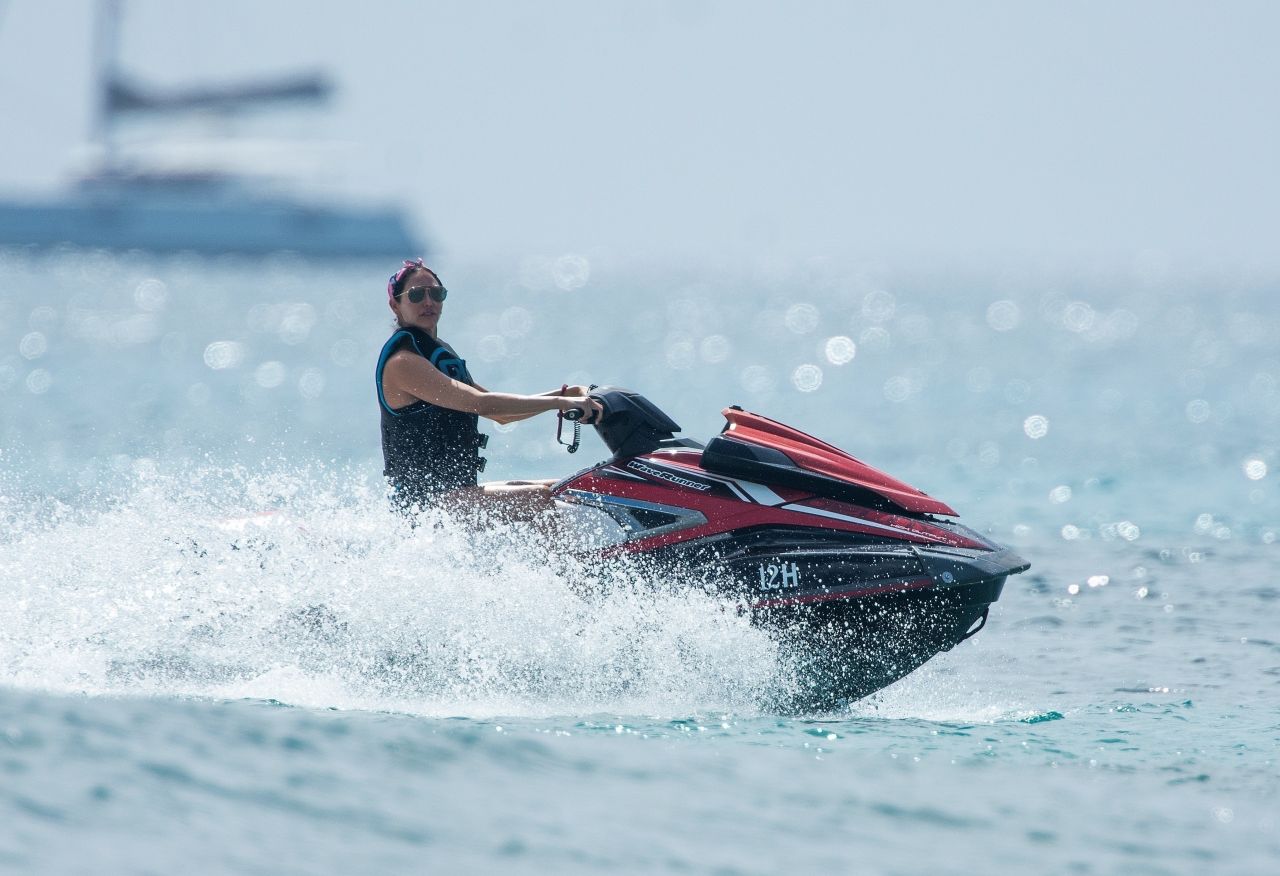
{"x": 667, "y": 474}
{"x": 832, "y": 515}
{"x": 779, "y": 576}
{"x": 749, "y": 490}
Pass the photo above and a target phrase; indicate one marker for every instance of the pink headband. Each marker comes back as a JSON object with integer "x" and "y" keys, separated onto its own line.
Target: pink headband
{"x": 400, "y": 274}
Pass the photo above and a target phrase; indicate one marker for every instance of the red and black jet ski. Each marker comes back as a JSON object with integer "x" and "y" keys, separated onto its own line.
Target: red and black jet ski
{"x": 857, "y": 573}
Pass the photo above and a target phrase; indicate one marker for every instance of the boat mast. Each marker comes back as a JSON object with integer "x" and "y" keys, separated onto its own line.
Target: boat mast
{"x": 106, "y": 52}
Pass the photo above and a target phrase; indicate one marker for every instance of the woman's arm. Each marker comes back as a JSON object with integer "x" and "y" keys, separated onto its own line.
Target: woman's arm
{"x": 513, "y": 418}
{"x": 408, "y": 377}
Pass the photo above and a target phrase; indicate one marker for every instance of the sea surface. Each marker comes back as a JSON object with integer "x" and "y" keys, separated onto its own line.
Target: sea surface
{"x": 221, "y": 653}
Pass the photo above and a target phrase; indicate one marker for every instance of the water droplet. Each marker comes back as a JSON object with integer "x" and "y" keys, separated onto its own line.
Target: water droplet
{"x": 33, "y": 345}
{"x": 151, "y": 294}
{"x": 989, "y": 454}
{"x": 1128, "y": 530}
{"x": 840, "y": 350}
{"x": 715, "y": 348}
{"x": 311, "y": 383}
{"x": 875, "y": 338}
{"x": 1036, "y": 426}
{"x": 515, "y": 322}
{"x": 1078, "y": 317}
{"x": 39, "y": 381}
{"x": 571, "y": 272}
{"x": 897, "y": 389}
{"x": 1198, "y": 410}
{"x": 221, "y": 355}
{"x": 879, "y": 306}
{"x": 979, "y": 379}
{"x": 42, "y": 318}
{"x": 807, "y": 378}
{"x": 1003, "y": 316}
{"x": 296, "y": 323}
{"x": 1255, "y": 469}
{"x": 801, "y": 318}
{"x": 680, "y": 351}
{"x": 269, "y": 375}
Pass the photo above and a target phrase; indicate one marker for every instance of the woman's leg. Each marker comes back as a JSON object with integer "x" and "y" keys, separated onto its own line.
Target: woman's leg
{"x": 518, "y": 501}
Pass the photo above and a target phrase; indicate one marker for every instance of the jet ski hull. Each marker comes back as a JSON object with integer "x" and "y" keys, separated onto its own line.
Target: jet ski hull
{"x": 859, "y": 576}
{"x": 840, "y": 652}
{"x": 851, "y": 619}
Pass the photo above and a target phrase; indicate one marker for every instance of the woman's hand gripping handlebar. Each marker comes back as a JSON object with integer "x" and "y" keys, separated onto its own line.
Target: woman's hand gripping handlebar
{"x": 577, "y": 410}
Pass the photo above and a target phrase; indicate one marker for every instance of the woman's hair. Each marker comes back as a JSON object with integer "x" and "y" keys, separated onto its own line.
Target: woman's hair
{"x": 399, "y": 280}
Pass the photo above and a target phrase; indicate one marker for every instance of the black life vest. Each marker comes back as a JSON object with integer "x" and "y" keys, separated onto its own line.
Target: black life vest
{"x": 427, "y": 449}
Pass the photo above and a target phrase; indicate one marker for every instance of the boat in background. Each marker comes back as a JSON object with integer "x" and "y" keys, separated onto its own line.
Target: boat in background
{"x": 201, "y": 202}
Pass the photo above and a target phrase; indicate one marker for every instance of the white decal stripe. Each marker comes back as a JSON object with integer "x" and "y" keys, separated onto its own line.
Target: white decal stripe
{"x": 832, "y": 515}
{"x": 761, "y": 493}
{"x": 732, "y": 485}
{"x": 748, "y": 490}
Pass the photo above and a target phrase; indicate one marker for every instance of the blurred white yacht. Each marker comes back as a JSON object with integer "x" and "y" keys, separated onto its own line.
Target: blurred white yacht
{"x": 211, "y": 197}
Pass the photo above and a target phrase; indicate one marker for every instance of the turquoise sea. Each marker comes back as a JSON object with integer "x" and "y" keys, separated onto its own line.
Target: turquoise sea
{"x": 221, "y": 653}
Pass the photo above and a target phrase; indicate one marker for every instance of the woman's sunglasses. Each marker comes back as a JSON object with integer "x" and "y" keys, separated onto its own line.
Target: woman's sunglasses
{"x": 417, "y": 293}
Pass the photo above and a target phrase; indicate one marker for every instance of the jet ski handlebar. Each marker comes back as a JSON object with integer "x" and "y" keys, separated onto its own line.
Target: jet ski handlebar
{"x": 631, "y": 425}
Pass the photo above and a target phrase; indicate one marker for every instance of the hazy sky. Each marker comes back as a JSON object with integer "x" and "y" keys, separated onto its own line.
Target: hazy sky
{"x": 982, "y": 128}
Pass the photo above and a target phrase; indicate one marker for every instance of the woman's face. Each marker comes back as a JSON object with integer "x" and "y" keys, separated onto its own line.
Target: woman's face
{"x": 426, "y": 313}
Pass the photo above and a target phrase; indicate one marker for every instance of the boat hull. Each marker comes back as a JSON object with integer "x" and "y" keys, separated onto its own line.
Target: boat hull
{"x": 207, "y": 227}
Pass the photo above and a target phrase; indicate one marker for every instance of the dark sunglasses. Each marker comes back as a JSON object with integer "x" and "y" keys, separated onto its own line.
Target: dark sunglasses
{"x": 417, "y": 293}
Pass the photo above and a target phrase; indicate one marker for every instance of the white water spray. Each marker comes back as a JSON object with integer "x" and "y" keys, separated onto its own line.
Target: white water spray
{"x": 301, "y": 586}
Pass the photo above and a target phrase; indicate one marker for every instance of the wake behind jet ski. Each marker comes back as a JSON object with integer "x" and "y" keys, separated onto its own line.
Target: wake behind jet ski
{"x": 856, "y": 573}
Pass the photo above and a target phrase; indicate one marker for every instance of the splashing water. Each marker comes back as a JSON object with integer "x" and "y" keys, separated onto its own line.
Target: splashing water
{"x": 301, "y": 586}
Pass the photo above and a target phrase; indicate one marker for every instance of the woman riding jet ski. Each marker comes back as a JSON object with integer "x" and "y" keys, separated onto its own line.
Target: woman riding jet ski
{"x": 430, "y": 406}
{"x": 858, "y": 573}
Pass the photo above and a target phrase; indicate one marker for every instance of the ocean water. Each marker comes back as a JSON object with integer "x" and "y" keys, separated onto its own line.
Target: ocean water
{"x": 220, "y": 651}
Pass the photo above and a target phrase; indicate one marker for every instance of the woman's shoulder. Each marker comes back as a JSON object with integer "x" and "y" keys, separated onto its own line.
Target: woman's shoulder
{"x": 415, "y": 340}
